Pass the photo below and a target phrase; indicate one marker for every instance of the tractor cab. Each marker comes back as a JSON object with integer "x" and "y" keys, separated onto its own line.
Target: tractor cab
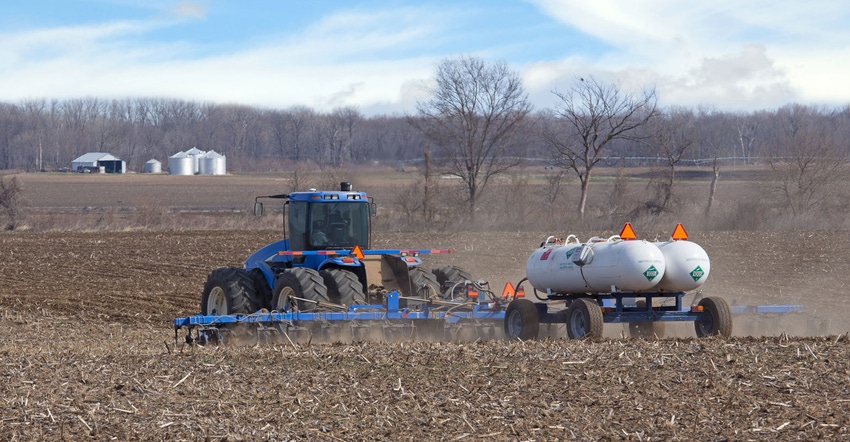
{"x": 326, "y": 220}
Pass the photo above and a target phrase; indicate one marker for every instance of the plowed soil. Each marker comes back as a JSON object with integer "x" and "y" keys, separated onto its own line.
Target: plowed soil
{"x": 88, "y": 352}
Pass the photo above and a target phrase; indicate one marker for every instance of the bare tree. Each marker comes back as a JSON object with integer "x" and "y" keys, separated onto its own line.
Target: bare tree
{"x": 806, "y": 159}
{"x": 670, "y": 136}
{"x": 472, "y": 119}
{"x": 716, "y": 138}
{"x": 589, "y": 117}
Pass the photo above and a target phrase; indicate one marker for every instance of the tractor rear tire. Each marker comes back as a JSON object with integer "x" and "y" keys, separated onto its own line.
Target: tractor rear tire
{"x": 446, "y": 274}
{"x": 716, "y": 319}
{"x": 522, "y": 321}
{"x": 584, "y": 319}
{"x": 302, "y": 283}
{"x": 423, "y": 283}
{"x": 344, "y": 287}
{"x": 229, "y": 291}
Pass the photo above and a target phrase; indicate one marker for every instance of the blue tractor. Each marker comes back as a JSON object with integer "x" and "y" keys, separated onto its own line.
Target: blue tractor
{"x": 324, "y": 262}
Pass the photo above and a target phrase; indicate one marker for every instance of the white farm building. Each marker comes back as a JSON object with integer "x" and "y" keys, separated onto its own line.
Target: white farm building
{"x": 99, "y": 162}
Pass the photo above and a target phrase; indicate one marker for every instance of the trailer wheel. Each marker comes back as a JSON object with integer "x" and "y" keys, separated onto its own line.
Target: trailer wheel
{"x": 302, "y": 283}
{"x": 228, "y": 291}
{"x": 716, "y": 318}
{"x": 344, "y": 287}
{"x": 646, "y": 330}
{"x": 522, "y": 320}
{"x": 423, "y": 283}
{"x": 584, "y": 319}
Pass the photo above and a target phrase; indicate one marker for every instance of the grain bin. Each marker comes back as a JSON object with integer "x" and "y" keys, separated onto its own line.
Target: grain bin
{"x": 212, "y": 163}
{"x": 181, "y": 164}
{"x": 195, "y": 154}
{"x": 153, "y": 166}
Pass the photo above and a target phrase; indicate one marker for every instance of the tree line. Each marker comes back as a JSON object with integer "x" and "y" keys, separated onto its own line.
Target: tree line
{"x": 477, "y": 124}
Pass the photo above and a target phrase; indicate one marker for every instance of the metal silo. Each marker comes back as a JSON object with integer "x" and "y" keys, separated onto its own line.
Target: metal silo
{"x": 196, "y": 155}
{"x": 153, "y": 166}
{"x": 213, "y": 163}
{"x": 181, "y": 164}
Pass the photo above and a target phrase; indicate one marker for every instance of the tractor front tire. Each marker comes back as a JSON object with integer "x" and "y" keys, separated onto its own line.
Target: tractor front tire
{"x": 229, "y": 291}
{"x": 300, "y": 287}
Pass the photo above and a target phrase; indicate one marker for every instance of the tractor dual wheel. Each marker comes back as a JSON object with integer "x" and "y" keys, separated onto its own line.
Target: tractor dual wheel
{"x": 716, "y": 319}
{"x": 423, "y": 284}
{"x": 344, "y": 287}
{"x": 448, "y": 276}
{"x": 300, "y": 287}
{"x": 522, "y": 320}
{"x": 229, "y": 291}
{"x": 584, "y": 319}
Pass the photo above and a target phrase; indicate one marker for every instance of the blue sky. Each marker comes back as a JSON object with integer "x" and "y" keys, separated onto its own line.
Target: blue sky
{"x": 380, "y": 55}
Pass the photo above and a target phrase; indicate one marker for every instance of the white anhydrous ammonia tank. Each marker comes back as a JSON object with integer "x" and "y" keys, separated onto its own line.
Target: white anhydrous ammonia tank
{"x": 687, "y": 266}
{"x": 612, "y": 265}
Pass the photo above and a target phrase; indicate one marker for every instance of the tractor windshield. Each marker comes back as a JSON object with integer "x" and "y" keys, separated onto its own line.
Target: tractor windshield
{"x": 328, "y": 225}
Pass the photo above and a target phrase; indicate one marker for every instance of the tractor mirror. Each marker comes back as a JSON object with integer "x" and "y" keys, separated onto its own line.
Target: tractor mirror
{"x": 258, "y": 208}
{"x": 373, "y": 209}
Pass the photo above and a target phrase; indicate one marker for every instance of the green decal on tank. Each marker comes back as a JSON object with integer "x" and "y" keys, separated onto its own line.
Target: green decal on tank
{"x": 697, "y": 273}
{"x": 650, "y": 273}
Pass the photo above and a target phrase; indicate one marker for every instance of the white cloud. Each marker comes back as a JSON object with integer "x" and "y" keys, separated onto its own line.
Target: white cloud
{"x": 730, "y": 54}
{"x": 191, "y": 9}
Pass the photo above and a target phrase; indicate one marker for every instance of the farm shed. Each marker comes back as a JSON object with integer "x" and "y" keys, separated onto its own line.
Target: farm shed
{"x": 99, "y": 162}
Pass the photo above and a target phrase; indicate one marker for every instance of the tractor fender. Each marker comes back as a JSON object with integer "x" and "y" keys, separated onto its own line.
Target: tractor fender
{"x": 340, "y": 262}
{"x": 267, "y": 272}
{"x": 268, "y": 253}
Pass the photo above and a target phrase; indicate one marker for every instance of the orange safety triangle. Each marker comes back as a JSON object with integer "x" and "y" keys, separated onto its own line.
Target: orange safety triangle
{"x": 508, "y": 292}
{"x": 628, "y": 232}
{"x": 679, "y": 233}
{"x": 357, "y": 252}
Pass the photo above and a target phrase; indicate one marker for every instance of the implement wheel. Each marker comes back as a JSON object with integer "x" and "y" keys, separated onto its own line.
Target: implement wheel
{"x": 344, "y": 287}
{"x": 584, "y": 319}
{"x": 228, "y": 291}
{"x": 522, "y": 320}
{"x": 716, "y": 319}
{"x": 302, "y": 283}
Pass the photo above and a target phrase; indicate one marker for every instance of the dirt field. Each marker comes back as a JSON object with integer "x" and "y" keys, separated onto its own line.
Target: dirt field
{"x": 88, "y": 351}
